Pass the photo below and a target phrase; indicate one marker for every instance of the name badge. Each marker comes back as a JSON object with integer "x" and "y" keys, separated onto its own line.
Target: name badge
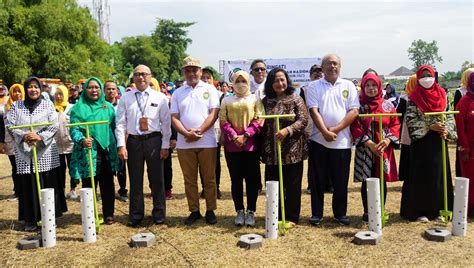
{"x": 143, "y": 123}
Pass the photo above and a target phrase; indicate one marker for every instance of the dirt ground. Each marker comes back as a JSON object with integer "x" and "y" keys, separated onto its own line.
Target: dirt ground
{"x": 203, "y": 245}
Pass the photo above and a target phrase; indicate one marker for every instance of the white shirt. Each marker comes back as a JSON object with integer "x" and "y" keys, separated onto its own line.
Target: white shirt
{"x": 333, "y": 103}
{"x": 156, "y": 111}
{"x": 193, "y": 106}
{"x": 258, "y": 89}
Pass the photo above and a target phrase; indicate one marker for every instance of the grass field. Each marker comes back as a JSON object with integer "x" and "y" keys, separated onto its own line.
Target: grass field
{"x": 203, "y": 245}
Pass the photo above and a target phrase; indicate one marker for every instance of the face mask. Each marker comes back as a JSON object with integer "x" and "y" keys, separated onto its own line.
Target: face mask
{"x": 241, "y": 89}
{"x": 426, "y": 82}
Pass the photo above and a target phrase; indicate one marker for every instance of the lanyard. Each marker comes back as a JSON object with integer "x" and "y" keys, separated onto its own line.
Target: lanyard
{"x": 142, "y": 110}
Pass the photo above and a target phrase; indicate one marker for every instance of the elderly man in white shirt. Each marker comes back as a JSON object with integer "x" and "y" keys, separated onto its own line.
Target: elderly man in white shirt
{"x": 333, "y": 104}
{"x": 144, "y": 115}
{"x": 194, "y": 111}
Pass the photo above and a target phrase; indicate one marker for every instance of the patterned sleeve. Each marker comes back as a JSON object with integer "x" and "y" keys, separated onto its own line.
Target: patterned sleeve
{"x": 393, "y": 131}
{"x": 417, "y": 123}
{"x": 77, "y": 133}
{"x": 461, "y": 119}
{"x": 451, "y": 124}
{"x": 47, "y": 133}
{"x": 358, "y": 133}
{"x": 11, "y": 120}
{"x": 301, "y": 117}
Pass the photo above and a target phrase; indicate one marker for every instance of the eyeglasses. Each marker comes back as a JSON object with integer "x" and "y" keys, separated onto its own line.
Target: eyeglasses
{"x": 259, "y": 69}
{"x": 141, "y": 74}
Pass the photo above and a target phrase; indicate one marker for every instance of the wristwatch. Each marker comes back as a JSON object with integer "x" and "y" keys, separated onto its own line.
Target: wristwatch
{"x": 247, "y": 135}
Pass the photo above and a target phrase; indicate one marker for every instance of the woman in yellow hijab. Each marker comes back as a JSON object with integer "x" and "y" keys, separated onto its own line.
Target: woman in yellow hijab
{"x": 60, "y": 98}
{"x": 17, "y": 93}
{"x": 154, "y": 84}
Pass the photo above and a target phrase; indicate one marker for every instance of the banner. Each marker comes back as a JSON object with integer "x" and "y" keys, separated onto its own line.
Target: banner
{"x": 298, "y": 69}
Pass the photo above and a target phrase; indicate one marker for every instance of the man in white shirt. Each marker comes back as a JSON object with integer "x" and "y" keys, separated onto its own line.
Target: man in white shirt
{"x": 258, "y": 70}
{"x": 144, "y": 115}
{"x": 333, "y": 104}
{"x": 194, "y": 110}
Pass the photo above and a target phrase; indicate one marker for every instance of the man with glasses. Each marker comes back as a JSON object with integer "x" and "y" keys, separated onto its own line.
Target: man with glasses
{"x": 194, "y": 111}
{"x": 258, "y": 70}
{"x": 111, "y": 93}
{"x": 144, "y": 115}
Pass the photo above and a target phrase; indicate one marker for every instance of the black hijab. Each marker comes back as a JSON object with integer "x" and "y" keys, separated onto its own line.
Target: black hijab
{"x": 30, "y": 103}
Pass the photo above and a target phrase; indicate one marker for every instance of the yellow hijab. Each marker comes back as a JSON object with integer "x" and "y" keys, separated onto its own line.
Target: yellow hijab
{"x": 464, "y": 77}
{"x": 10, "y": 91}
{"x": 241, "y": 90}
{"x": 410, "y": 84}
{"x": 61, "y": 106}
{"x": 155, "y": 84}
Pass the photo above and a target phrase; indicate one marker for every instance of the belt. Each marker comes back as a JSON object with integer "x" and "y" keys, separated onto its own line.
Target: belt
{"x": 145, "y": 136}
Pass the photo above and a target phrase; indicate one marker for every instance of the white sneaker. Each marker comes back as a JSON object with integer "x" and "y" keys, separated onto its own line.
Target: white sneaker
{"x": 73, "y": 195}
{"x": 240, "y": 219}
{"x": 422, "y": 219}
{"x": 250, "y": 218}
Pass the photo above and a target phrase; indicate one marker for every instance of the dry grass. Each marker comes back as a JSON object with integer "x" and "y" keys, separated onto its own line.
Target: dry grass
{"x": 203, "y": 245}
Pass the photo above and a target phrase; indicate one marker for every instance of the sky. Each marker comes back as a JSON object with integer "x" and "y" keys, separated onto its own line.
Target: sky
{"x": 375, "y": 34}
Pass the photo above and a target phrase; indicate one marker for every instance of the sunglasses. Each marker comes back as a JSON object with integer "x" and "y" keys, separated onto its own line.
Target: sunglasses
{"x": 259, "y": 69}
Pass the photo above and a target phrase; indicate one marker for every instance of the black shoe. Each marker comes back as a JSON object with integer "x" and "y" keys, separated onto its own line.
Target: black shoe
{"x": 344, "y": 220}
{"x": 365, "y": 217}
{"x": 133, "y": 223}
{"x": 159, "y": 221}
{"x": 211, "y": 217}
{"x": 202, "y": 194}
{"x": 315, "y": 221}
{"x": 193, "y": 217}
{"x": 30, "y": 227}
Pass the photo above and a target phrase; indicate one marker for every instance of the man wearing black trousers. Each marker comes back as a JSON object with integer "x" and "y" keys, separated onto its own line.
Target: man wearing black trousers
{"x": 333, "y": 104}
{"x": 144, "y": 115}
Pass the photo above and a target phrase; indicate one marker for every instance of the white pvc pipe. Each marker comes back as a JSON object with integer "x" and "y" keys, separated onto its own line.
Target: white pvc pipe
{"x": 88, "y": 218}
{"x": 48, "y": 218}
{"x": 271, "y": 212}
{"x": 461, "y": 193}
{"x": 373, "y": 203}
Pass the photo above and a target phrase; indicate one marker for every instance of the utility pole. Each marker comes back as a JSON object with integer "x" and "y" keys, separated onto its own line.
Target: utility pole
{"x": 101, "y": 13}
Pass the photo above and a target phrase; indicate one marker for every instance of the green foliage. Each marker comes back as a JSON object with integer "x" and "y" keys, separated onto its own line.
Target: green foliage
{"x": 421, "y": 52}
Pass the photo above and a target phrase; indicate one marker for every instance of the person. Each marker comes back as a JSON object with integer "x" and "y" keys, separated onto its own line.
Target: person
{"x": 366, "y": 136}
{"x": 194, "y": 110}
{"x": 208, "y": 77}
{"x": 35, "y": 110}
{"x": 3, "y": 98}
{"x": 167, "y": 162}
{"x": 62, "y": 137}
{"x": 91, "y": 107}
{"x": 333, "y": 105}
{"x": 225, "y": 89}
{"x": 465, "y": 130}
{"x": 258, "y": 70}
{"x": 315, "y": 73}
{"x": 144, "y": 115}
{"x": 239, "y": 124}
{"x": 405, "y": 142}
{"x": 111, "y": 92}
{"x": 74, "y": 95}
{"x": 422, "y": 193}
{"x": 391, "y": 95}
{"x": 280, "y": 98}
{"x": 17, "y": 93}
{"x": 458, "y": 94}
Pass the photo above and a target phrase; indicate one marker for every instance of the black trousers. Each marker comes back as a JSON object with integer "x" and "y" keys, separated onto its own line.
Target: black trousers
{"x": 104, "y": 180}
{"x": 292, "y": 175}
{"x": 363, "y": 193}
{"x": 244, "y": 165}
{"x": 168, "y": 170}
{"x": 122, "y": 178}
{"x": 15, "y": 177}
{"x": 139, "y": 152}
{"x": 332, "y": 164}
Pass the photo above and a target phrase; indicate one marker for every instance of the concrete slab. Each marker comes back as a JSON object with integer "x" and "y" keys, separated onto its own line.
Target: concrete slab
{"x": 250, "y": 241}
{"x": 366, "y": 238}
{"x": 31, "y": 242}
{"x": 438, "y": 234}
{"x": 142, "y": 240}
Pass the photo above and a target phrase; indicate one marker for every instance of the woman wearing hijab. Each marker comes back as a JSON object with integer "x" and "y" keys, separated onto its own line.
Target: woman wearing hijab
{"x": 280, "y": 99}
{"x": 35, "y": 110}
{"x": 63, "y": 139}
{"x": 239, "y": 126}
{"x": 17, "y": 93}
{"x": 90, "y": 107}
{"x": 392, "y": 95}
{"x": 460, "y": 92}
{"x": 422, "y": 195}
{"x": 365, "y": 132}
{"x": 465, "y": 129}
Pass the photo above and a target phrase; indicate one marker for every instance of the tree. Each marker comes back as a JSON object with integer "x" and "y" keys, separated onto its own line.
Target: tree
{"x": 55, "y": 39}
{"x": 421, "y": 52}
{"x": 171, "y": 38}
